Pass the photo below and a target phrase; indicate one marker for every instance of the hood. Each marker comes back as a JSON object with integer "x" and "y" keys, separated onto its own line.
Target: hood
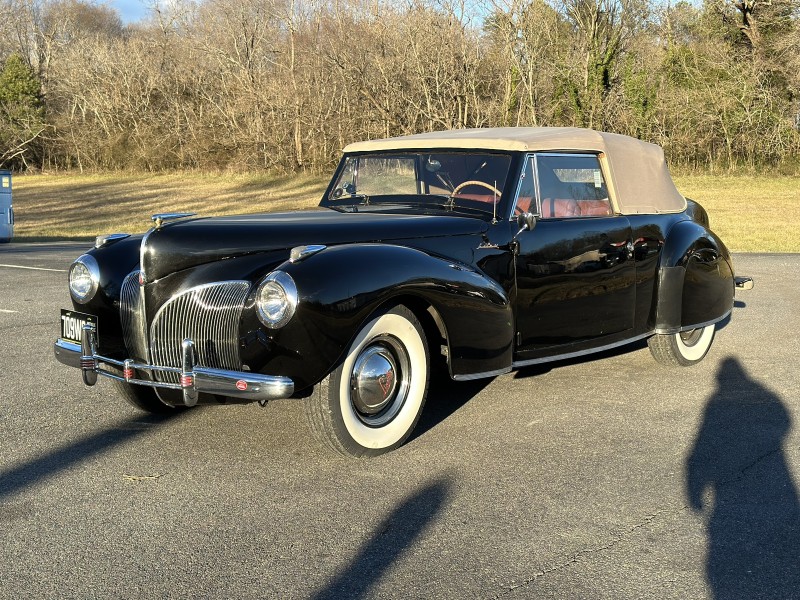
{"x": 185, "y": 244}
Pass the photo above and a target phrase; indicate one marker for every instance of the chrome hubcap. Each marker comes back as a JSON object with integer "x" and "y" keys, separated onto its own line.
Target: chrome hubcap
{"x": 379, "y": 382}
{"x": 691, "y": 337}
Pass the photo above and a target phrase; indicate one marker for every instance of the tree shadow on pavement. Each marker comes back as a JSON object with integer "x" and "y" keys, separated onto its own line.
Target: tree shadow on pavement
{"x": 390, "y": 540}
{"x": 738, "y": 478}
{"x": 37, "y": 470}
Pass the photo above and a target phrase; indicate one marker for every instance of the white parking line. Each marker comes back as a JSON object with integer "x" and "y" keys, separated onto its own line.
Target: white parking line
{"x": 3, "y": 310}
{"x": 34, "y": 268}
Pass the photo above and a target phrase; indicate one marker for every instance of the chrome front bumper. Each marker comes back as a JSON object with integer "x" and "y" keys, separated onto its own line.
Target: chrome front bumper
{"x": 194, "y": 378}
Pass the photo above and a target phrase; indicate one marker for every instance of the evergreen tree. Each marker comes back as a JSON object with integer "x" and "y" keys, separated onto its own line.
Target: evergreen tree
{"x": 21, "y": 113}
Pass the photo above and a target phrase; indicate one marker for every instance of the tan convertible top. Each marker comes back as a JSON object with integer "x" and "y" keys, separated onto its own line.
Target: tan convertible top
{"x": 637, "y": 173}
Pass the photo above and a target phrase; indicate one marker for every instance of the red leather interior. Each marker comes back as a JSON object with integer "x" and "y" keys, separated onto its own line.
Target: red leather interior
{"x": 595, "y": 208}
{"x": 524, "y": 204}
{"x": 559, "y": 208}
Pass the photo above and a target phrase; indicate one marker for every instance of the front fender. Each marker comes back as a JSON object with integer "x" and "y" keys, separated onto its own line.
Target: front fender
{"x": 114, "y": 261}
{"x": 342, "y": 286}
{"x": 695, "y": 279}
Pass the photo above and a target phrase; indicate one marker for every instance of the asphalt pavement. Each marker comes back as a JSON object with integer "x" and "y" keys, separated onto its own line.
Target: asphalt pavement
{"x": 611, "y": 477}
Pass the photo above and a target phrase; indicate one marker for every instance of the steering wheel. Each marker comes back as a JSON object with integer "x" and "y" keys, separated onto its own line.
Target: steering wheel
{"x": 461, "y": 186}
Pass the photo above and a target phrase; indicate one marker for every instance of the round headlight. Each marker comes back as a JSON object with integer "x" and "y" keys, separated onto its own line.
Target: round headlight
{"x": 276, "y": 299}
{"x": 84, "y": 278}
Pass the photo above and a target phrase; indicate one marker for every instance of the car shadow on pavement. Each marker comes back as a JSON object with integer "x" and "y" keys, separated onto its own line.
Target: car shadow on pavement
{"x": 392, "y": 538}
{"x": 37, "y": 470}
{"x": 445, "y": 397}
{"x": 738, "y": 478}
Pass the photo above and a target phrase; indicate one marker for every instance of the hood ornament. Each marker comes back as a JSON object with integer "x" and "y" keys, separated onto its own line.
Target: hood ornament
{"x": 160, "y": 218}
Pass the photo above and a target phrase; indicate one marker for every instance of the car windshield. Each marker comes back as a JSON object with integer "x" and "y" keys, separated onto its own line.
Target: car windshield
{"x": 469, "y": 181}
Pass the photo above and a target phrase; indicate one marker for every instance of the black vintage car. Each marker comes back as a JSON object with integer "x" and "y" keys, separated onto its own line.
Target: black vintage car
{"x": 494, "y": 248}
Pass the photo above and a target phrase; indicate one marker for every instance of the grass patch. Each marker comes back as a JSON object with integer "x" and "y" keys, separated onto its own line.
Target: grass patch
{"x": 750, "y": 213}
{"x": 83, "y": 206}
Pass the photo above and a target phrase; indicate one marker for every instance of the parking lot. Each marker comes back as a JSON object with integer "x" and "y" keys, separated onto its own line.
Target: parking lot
{"x": 611, "y": 477}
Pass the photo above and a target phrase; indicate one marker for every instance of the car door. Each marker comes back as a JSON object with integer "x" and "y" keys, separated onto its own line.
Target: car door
{"x": 575, "y": 272}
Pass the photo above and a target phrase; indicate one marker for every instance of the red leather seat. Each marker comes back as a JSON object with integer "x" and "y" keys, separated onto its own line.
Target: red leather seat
{"x": 524, "y": 204}
{"x": 595, "y": 208}
{"x": 559, "y": 208}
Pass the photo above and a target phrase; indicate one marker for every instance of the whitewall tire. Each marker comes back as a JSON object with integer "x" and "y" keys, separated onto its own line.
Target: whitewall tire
{"x": 682, "y": 349}
{"x": 371, "y": 403}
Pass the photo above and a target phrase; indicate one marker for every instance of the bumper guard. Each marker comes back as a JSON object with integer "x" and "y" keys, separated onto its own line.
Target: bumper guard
{"x": 194, "y": 378}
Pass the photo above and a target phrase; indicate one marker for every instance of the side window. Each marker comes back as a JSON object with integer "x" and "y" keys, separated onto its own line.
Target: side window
{"x": 572, "y": 186}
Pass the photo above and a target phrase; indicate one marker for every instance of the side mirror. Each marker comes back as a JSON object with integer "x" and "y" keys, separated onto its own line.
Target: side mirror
{"x": 526, "y": 222}
{"x": 432, "y": 165}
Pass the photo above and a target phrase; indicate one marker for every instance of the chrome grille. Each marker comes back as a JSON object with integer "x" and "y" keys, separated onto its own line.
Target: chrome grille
{"x": 131, "y": 312}
{"x": 209, "y": 316}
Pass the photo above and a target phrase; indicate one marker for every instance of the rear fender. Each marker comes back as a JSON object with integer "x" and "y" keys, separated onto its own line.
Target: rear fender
{"x": 695, "y": 279}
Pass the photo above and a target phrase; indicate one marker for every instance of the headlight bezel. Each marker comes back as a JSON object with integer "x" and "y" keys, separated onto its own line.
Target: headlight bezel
{"x": 284, "y": 290}
{"x": 90, "y": 276}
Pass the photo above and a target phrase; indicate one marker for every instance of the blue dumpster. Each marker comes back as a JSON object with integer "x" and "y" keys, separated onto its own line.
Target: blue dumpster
{"x": 6, "y": 208}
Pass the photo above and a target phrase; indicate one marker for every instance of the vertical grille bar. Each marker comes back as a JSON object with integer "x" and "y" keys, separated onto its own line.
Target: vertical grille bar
{"x": 209, "y": 316}
{"x": 131, "y": 312}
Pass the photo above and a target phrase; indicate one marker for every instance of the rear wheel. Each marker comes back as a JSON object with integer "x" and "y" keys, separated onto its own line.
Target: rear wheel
{"x": 143, "y": 398}
{"x": 371, "y": 403}
{"x": 682, "y": 349}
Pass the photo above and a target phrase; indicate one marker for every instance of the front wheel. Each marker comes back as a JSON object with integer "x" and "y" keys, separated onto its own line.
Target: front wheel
{"x": 143, "y": 398}
{"x": 682, "y": 349}
{"x": 371, "y": 403}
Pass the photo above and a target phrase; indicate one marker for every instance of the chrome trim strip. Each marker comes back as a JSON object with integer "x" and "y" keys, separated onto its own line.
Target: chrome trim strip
{"x": 132, "y": 316}
{"x": 568, "y": 355}
{"x": 672, "y": 330}
{"x": 535, "y": 174}
{"x": 471, "y": 376}
{"x": 142, "y": 252}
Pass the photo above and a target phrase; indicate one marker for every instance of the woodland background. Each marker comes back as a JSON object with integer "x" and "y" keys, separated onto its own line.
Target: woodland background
{"x": 283, "y": 85}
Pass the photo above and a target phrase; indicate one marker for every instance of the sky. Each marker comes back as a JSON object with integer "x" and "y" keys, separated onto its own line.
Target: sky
{"x": 130, "y": 10}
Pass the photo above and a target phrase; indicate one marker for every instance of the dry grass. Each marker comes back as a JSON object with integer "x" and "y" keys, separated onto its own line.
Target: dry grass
{"x": 83, "y": 206}
{"x": 751, "y": 213}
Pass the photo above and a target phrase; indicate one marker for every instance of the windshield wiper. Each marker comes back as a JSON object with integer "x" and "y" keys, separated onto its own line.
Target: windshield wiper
{"x": 352, "y": 202}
